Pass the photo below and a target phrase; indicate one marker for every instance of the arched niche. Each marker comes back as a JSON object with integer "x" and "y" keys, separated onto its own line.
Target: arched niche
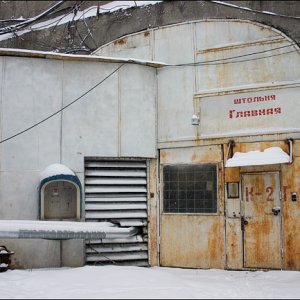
{"x": 59, "y": 194}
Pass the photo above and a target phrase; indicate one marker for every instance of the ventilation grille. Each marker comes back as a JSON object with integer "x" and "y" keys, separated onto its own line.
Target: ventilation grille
{"x": 116, "y": 191}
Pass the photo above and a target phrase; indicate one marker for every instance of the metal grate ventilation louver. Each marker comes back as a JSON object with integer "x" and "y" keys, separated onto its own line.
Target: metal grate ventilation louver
{"x": 116, "y": 191}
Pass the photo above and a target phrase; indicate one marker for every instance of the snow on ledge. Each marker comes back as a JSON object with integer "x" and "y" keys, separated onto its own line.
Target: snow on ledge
{"x": 76, "y": 57}
{"x": 62, "y": 230}
{"x": 56, "y": 169}
{"x": 37, "y": 225}
{"x": 272, "y": 155}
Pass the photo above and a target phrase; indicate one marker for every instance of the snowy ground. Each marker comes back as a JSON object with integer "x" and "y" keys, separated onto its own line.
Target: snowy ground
{"x": 114, "y": 282}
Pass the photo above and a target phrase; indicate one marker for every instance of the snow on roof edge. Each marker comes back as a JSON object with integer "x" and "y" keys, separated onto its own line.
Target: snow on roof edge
{"x": 75, "y": 57}
{"x": 272, "y": 155}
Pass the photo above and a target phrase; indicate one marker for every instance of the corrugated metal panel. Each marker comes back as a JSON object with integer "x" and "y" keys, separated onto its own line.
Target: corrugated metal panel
{"x": 116, "y": 173}
{"x": 115, "y": 181}
{"x": 117, "y": 164}
{"x": 116, "y": 191}
{"x": 118, "y": 248}
{"x": 115, "y": 214}
{"x": 115, "y": 206}
{"x": 114, "y": 257}
{"x": 116, "y": 199}
{"x": 134, "y": 239}
{"x": 132, "y": 222}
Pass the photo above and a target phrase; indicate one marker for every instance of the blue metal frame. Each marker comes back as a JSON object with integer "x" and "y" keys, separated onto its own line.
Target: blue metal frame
{"x": 61, "y": 177}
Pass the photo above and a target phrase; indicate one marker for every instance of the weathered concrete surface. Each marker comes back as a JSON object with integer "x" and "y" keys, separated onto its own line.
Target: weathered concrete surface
{"x": 110, "y": 26}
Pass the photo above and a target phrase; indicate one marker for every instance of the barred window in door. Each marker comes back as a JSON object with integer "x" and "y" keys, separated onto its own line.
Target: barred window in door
{"x": 190, "y": 188}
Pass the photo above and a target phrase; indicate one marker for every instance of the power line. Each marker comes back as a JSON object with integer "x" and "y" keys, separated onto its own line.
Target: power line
{"x": 108, "y": 76}
{"x": 252, "y": 59}
{"x": 63, "y": 108}
{"x": 56, "y": 20}
{"x": 253, "y": 10}
{"x": 211, "y": 62}
{"x": 31, "y": 20}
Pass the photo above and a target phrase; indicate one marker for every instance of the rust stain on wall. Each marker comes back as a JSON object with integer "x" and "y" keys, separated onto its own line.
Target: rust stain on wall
{"x": 234, "y": 244}
{"x": 245, "y": 147}
{"x": 262, "y": 233}
{"x": 296, "y": 148}
{"x": 152, "y": 215}
{"x": 192, "y": 241}
{"x": 214, "y": 250}
{"x": 210, "y": 155}
{"x": 164, "y": 156}
{"x": 207, "y": 154}
{"x": 120, "y": 42}
{"x": 291, "y": 213}
{"x": 197, "y": 241}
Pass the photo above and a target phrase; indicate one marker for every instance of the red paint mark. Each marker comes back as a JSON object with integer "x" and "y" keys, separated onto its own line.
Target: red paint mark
{"x": 270, "y": 190}
{"x": 249, "y": 193}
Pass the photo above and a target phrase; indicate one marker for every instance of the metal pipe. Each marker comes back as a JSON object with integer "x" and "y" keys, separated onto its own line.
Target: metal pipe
{"x": 63, "y": 230}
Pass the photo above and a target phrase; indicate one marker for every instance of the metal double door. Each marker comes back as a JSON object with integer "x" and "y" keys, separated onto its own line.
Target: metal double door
{"x": 261, "y": 220}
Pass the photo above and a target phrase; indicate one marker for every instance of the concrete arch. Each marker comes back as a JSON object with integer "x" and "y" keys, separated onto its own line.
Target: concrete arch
{"x": 233, "y": 54}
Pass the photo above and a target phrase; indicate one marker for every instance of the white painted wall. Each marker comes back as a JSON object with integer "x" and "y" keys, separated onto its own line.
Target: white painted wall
{"x": 117, "y": 119}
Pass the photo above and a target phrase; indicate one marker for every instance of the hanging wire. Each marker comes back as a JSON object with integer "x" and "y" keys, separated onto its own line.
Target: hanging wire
{"x": 63, "y": 108}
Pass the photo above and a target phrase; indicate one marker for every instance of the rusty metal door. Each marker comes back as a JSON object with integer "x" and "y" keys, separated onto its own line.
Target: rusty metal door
{"x": 261, "y": 220}
{"x": 192, "y": 224}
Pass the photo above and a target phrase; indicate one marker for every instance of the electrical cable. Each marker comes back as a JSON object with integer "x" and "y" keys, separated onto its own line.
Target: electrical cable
{"x": 57, "y": 20}
{"x": 82, "y": 39}
{"x": 12, "y": 20}
{"x": 82, "y": 15}
{"x": 210, "y": 62}
{"x": 89, "y": 30}
{"x": 92, "y": 8}
{"x": 29, "y": 21}
{"x": 63, "y": 108}
{"x": 99, "y": 83}
{"x": 252, "y": 59}
{"x": 252, "y": 10}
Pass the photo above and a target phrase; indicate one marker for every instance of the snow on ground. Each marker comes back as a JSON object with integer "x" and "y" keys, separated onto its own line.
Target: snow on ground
{"x": 117, "y": 282}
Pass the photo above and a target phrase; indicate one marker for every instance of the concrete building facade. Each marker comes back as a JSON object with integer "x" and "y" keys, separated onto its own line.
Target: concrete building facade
{"x": 206, "y": 120}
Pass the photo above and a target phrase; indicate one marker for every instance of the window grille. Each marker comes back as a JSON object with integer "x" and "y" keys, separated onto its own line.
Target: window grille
{"x": 190, "y": 188}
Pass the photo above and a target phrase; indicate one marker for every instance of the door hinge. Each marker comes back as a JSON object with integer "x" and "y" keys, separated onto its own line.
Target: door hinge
{"x": 242, "y": 224}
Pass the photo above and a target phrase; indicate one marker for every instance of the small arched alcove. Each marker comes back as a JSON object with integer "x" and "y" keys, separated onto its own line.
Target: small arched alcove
{"x": 59, "y": 194}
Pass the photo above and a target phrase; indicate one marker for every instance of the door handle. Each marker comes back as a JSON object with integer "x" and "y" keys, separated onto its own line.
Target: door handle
{"x": 243, "y": 223}
{"x": 276, "y": 210}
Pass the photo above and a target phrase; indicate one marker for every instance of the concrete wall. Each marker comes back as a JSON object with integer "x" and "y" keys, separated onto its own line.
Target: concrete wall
{"x": 110, "y": 26}
{"x": 116, "y": 119}
{"x": 208, "y": 42}
{"x": 10, "y": 10}
{"x": 180, "y": 88}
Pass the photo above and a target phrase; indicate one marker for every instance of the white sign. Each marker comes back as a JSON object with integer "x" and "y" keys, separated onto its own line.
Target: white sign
{"x": 250, "y": 112}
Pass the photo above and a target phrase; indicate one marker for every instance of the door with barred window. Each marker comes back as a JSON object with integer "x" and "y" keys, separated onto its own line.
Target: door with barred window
{"x": 191, "y": 208}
